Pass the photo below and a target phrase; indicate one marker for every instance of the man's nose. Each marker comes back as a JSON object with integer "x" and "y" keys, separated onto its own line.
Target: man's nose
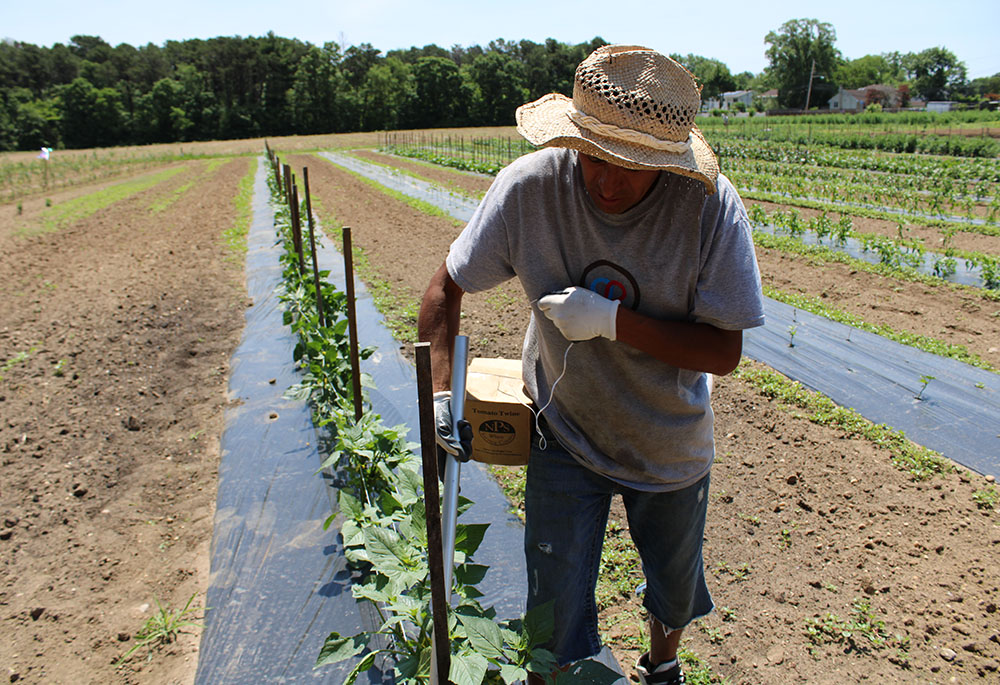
{"x": 610, "y": 179}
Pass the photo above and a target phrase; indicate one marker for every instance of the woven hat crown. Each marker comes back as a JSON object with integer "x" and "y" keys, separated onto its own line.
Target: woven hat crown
{"x": 636, "y": 88}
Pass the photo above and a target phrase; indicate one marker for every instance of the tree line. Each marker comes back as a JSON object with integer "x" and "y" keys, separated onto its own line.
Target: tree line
{"x": 89, "y": 94}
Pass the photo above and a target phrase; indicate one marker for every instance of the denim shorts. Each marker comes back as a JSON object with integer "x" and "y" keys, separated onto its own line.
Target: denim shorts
{"x": 566, "y": 513}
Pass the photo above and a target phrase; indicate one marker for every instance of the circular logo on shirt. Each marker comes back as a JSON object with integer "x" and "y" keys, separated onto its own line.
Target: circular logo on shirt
{"x": 496, "y": 432}
{"x": 612, "y": 281}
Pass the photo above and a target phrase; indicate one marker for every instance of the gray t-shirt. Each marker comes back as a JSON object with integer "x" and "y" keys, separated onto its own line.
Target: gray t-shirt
{"x": 679, "y": 254}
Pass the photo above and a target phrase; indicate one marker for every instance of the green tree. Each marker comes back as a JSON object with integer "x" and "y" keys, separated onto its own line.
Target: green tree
{"x": 986, "y": 86}
{"x": 935, "y": 73}
{"x": 438, "y": 86}
{"x": 713, "y": 75}
{"x": 319, "y": 95}
{"x": 497, "y": 86}
{"x": 868, "y": 70}
{"x": 386, "y": 94}
{"x": 802, "y": 62}
{"x": 91, "y": 117}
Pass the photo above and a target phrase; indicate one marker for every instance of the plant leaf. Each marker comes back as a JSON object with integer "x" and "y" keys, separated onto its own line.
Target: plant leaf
{"x": 467, "y": 669}
{"x": 337, "y": 648}
{"x": 484, "y": 635}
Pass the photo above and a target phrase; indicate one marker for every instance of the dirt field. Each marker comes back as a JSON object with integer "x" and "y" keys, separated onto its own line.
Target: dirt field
{"x": 110, "y": 431}
{"x": 803, "y": 523}
{"x": 115, "y": 336}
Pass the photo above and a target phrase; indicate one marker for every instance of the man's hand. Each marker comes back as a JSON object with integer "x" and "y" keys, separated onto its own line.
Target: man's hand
{"x": 581, "y": 314}
{"x": 446, "y": 442}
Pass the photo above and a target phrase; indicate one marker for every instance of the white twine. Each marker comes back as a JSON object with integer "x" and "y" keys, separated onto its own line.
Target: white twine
{"x": 628, "y": 135}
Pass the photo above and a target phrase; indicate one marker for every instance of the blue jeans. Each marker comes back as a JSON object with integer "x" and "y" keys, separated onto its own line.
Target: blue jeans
{"x": 566, "y": 513}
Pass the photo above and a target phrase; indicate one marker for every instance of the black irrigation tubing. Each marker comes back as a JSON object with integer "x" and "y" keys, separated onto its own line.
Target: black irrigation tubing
{"x": 958, "y": 414}
{"x": 279, "y": 583}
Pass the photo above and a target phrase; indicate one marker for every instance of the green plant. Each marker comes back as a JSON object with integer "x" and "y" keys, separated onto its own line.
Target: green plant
{"x": 925, "y": 380}
{"x": 985, "y": 498}
{"x": 162, "y": 628}
{"x": 919, "y": 461}
{"x": 791, "y": 335}
{"x": 785, "y": 539}
{"x": 862, "y": 632}
{"x": 384, "y": 522}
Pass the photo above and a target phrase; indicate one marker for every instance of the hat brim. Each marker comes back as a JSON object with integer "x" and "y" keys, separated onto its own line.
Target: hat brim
{"x": 545, "y": 123}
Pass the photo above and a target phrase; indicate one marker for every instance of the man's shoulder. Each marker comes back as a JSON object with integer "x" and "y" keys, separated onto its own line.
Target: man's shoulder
{"x": 544, "y": 164}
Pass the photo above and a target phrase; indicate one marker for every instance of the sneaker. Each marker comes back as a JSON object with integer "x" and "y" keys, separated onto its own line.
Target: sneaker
{"x": 659, "y": 675}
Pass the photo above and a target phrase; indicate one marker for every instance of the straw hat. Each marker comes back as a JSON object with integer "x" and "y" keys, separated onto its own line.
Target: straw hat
{"x": 632, "y": 107}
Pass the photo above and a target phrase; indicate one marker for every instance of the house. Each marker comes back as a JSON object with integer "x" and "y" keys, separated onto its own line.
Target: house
{"x": 730, "y": 99}
{"x": 856, "y": 100}
{"x": 939, "y": 105}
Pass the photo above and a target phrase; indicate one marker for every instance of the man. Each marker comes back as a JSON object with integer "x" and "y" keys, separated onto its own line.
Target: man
{"x": 637, "y": 259}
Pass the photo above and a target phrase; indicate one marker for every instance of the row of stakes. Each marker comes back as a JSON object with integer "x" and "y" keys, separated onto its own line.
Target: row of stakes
{"x": 286, "y": 182}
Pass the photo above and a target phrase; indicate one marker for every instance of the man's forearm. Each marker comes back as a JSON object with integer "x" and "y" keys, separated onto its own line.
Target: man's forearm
{"x": 438, "y": 324}
{"x": 684, "y": 344}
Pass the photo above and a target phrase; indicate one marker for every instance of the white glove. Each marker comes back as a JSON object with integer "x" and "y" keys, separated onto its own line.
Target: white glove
{"x": 580, "y": 314}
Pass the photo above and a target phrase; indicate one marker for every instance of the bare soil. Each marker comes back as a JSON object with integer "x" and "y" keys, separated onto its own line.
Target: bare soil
{"x": 109, "y": 437}
{"x": 804, "y": 523}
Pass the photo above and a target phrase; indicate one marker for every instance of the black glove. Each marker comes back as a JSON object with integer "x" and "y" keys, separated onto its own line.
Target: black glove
{"x": 446, "y": 443}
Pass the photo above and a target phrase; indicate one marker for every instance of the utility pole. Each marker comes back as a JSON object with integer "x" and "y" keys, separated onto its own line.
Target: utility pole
{"x": 809, "y": 90}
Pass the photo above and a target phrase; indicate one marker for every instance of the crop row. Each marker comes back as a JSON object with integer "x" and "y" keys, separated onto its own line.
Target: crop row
{"x": 382, "y": 507}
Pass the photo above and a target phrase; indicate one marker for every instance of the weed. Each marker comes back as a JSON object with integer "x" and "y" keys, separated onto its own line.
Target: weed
{"x": 739, "y": 574}
{"x": 713, "y": 634}
{"x": 753, "y": 520}
{"x": 728, "y": 615}
{"x": 785, "y": 539}
{"x": 59, "y": 368}
{"x": 919, "y": 461}
{"x": 985, "y": 498}
{"x": 162, "y": 628}
{"x": 862, "y": 632}
{"x": 791, "y": 335}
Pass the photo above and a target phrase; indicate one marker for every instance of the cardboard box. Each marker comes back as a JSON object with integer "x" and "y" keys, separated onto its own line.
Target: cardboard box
{"x": 497, "y": 407}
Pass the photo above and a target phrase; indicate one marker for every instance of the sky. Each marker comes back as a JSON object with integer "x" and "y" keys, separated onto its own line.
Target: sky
{"x": 732, "y": 31}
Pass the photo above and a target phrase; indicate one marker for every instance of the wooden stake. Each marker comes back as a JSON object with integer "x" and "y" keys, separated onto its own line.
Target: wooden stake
{"x": 352, "y": 324}
{"x": 312, "y": 248}
{"x": 441, "y": 665}
{"x": 297, "y": 226}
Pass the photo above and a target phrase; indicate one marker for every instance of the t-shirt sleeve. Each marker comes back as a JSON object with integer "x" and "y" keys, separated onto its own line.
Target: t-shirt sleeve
{"x": 479, "y": 258}
{"x": 728, "y": 294}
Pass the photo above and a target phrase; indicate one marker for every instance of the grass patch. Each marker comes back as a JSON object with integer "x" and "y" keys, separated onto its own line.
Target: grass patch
{"x": 235, "y": 236}
{"x": 921, "y": 463}
{"x": 162, "y": 628}
{"x": 926, "y": 343}
{"x": 71, "y": 211}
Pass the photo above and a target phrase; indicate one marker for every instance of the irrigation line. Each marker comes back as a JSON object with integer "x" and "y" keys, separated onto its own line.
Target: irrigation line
{"x": 958, "y": 415}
